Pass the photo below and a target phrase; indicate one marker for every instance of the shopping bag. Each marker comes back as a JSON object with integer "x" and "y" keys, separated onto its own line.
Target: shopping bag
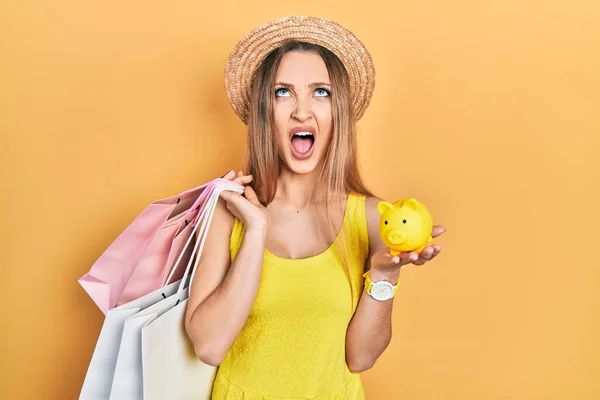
{"x": 151, "y": 271}
{"x": 171, "y": 369}
{"x": 127, "y": 381}
{"x": 137, "y": 261}
{"x": 98, "y": 379}
{"x": 156, "y": 265}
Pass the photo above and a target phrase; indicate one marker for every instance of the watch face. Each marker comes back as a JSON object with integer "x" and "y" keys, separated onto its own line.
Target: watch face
{"x": 382, "y": 291}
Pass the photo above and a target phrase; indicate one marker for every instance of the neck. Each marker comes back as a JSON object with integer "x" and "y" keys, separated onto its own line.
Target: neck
{"x": 298, "y": 190}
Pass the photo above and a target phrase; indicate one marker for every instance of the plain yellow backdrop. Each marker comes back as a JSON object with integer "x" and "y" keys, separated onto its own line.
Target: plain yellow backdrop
{"x": 487, "y": 111}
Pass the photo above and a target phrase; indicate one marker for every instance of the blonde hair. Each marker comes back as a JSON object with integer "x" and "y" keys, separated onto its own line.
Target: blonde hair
{"x": 340, "y": 174}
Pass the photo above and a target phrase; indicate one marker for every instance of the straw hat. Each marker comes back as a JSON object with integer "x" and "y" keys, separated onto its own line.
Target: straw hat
{"x": 251, "y": 50}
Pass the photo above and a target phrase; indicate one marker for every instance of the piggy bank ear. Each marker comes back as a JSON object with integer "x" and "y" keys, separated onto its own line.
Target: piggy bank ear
{"x": 411, "y": 203}
{"x": 382, "y": 206}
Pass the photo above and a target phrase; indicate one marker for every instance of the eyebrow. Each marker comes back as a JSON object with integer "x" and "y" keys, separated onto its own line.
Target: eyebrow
{"x": 313, "y": 84}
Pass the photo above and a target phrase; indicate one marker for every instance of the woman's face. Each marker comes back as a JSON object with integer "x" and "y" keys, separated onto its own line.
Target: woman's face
{"x": 302, "y": 110}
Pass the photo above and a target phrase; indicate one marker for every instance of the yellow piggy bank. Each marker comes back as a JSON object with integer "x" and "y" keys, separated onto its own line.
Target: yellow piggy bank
{"x": 405, "y": 225}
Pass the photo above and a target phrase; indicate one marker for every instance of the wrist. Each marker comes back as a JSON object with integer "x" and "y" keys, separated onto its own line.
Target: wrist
{"x": 381, "y": 285}
{"x": 257, "y": 229}
{"x": 390, "y": 275}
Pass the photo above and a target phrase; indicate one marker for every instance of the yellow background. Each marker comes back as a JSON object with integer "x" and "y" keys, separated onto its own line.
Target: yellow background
{"x": 488, "y": 111}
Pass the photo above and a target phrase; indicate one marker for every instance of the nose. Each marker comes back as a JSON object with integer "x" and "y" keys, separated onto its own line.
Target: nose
{"x": 302, "y": 111}
{"x": 396, "y": 237}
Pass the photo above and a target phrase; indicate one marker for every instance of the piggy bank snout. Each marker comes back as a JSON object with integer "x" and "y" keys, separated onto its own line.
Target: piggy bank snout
{"x": 396, "y": 237}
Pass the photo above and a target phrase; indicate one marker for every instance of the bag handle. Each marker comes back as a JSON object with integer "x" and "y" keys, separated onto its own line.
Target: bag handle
{"x": 209, "y": 187}
{"x": 206, "y": 224}
{"x": 209, "y": 208}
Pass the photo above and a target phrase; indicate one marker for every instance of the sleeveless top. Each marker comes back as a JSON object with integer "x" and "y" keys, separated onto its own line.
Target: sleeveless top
{"x": 293, "y": 343}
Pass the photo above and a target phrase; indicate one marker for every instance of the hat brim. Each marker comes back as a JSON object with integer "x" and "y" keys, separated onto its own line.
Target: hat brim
{"x": 253, "y": 48}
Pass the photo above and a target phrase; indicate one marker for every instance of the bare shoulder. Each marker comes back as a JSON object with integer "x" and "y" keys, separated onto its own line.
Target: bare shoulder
{"x": 372, "y": 215}
{"x": 376, "y": 245}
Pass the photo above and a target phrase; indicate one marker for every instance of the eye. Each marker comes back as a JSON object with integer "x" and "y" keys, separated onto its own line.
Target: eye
{"x": 282, "y": 92}
{"x": 403, "y": 221}
{"x": 386, "y": 222}
{"x": 321, "y": 92}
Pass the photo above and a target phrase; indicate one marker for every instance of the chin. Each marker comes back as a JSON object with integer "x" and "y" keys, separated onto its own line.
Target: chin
{"x": 302, "y": 167}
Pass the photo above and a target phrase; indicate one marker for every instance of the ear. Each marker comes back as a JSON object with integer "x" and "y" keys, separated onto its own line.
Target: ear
{"x": 411, "y": 203}
{"x": 382, "y": 206}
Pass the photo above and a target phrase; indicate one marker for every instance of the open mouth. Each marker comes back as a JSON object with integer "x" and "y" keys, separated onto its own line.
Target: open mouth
{"x": 302, "y": 144}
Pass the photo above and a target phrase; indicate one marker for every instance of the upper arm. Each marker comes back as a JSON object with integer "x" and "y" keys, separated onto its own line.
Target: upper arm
{"x": 214, "y": 260}
{"x": 376, "y": 245}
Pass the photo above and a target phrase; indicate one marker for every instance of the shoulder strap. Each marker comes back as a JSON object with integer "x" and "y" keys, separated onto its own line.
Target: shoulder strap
{"x": 357, "y": 221}
{"x": 237, "y": 235}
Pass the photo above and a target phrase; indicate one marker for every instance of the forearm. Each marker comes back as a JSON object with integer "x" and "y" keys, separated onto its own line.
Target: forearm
{"x": 218, "y": 320}
{"x": 370, "y": 329}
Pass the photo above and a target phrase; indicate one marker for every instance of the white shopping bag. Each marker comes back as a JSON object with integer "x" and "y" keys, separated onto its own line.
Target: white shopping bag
{"x": 127, "y": 382}
{"x": 98, "y": 379}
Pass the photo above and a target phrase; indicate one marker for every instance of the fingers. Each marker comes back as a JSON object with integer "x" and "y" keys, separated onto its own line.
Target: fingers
{"x": 232, "y": 174}
{"x": 427, "y": 254}
{"x": 243, "y": 179}
{"x": 229, "y": 175}
{"x": 412, "y": 257}
{"x": 408, "y": 257}
{"x": 385, "y": 260}
{"x": 424, "y": 256}
{"x": 227, "y": 195}
{"x": 238, "y": 177}
{"x": 250, "y": 194}
{"x": 437, "y": 230}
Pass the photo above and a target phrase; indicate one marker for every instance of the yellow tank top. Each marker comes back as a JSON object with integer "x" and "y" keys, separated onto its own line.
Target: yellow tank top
{"x": 293, "y": 343}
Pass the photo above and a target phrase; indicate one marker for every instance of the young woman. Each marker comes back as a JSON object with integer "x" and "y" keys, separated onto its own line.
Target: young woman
{"x": 280, "y": 301}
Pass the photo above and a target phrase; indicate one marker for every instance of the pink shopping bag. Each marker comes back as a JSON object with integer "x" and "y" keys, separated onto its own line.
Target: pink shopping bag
{"x": 154, "y": 266}
{"x": 140, "y": 259}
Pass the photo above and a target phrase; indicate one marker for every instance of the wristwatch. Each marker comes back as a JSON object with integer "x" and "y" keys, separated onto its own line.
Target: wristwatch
{"x": 380, "y": 290}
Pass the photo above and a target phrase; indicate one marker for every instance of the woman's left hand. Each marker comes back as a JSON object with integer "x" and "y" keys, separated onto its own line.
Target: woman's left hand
{"x": 427, "y": 254}
{"x": 386, "y": 262}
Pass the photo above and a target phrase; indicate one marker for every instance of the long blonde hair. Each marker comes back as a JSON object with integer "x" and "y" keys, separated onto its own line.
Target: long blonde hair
{"x": 340, "y": 174}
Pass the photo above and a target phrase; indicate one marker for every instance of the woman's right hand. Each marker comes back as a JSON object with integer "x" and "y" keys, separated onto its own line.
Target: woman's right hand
{"x": 245, "y": 207}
